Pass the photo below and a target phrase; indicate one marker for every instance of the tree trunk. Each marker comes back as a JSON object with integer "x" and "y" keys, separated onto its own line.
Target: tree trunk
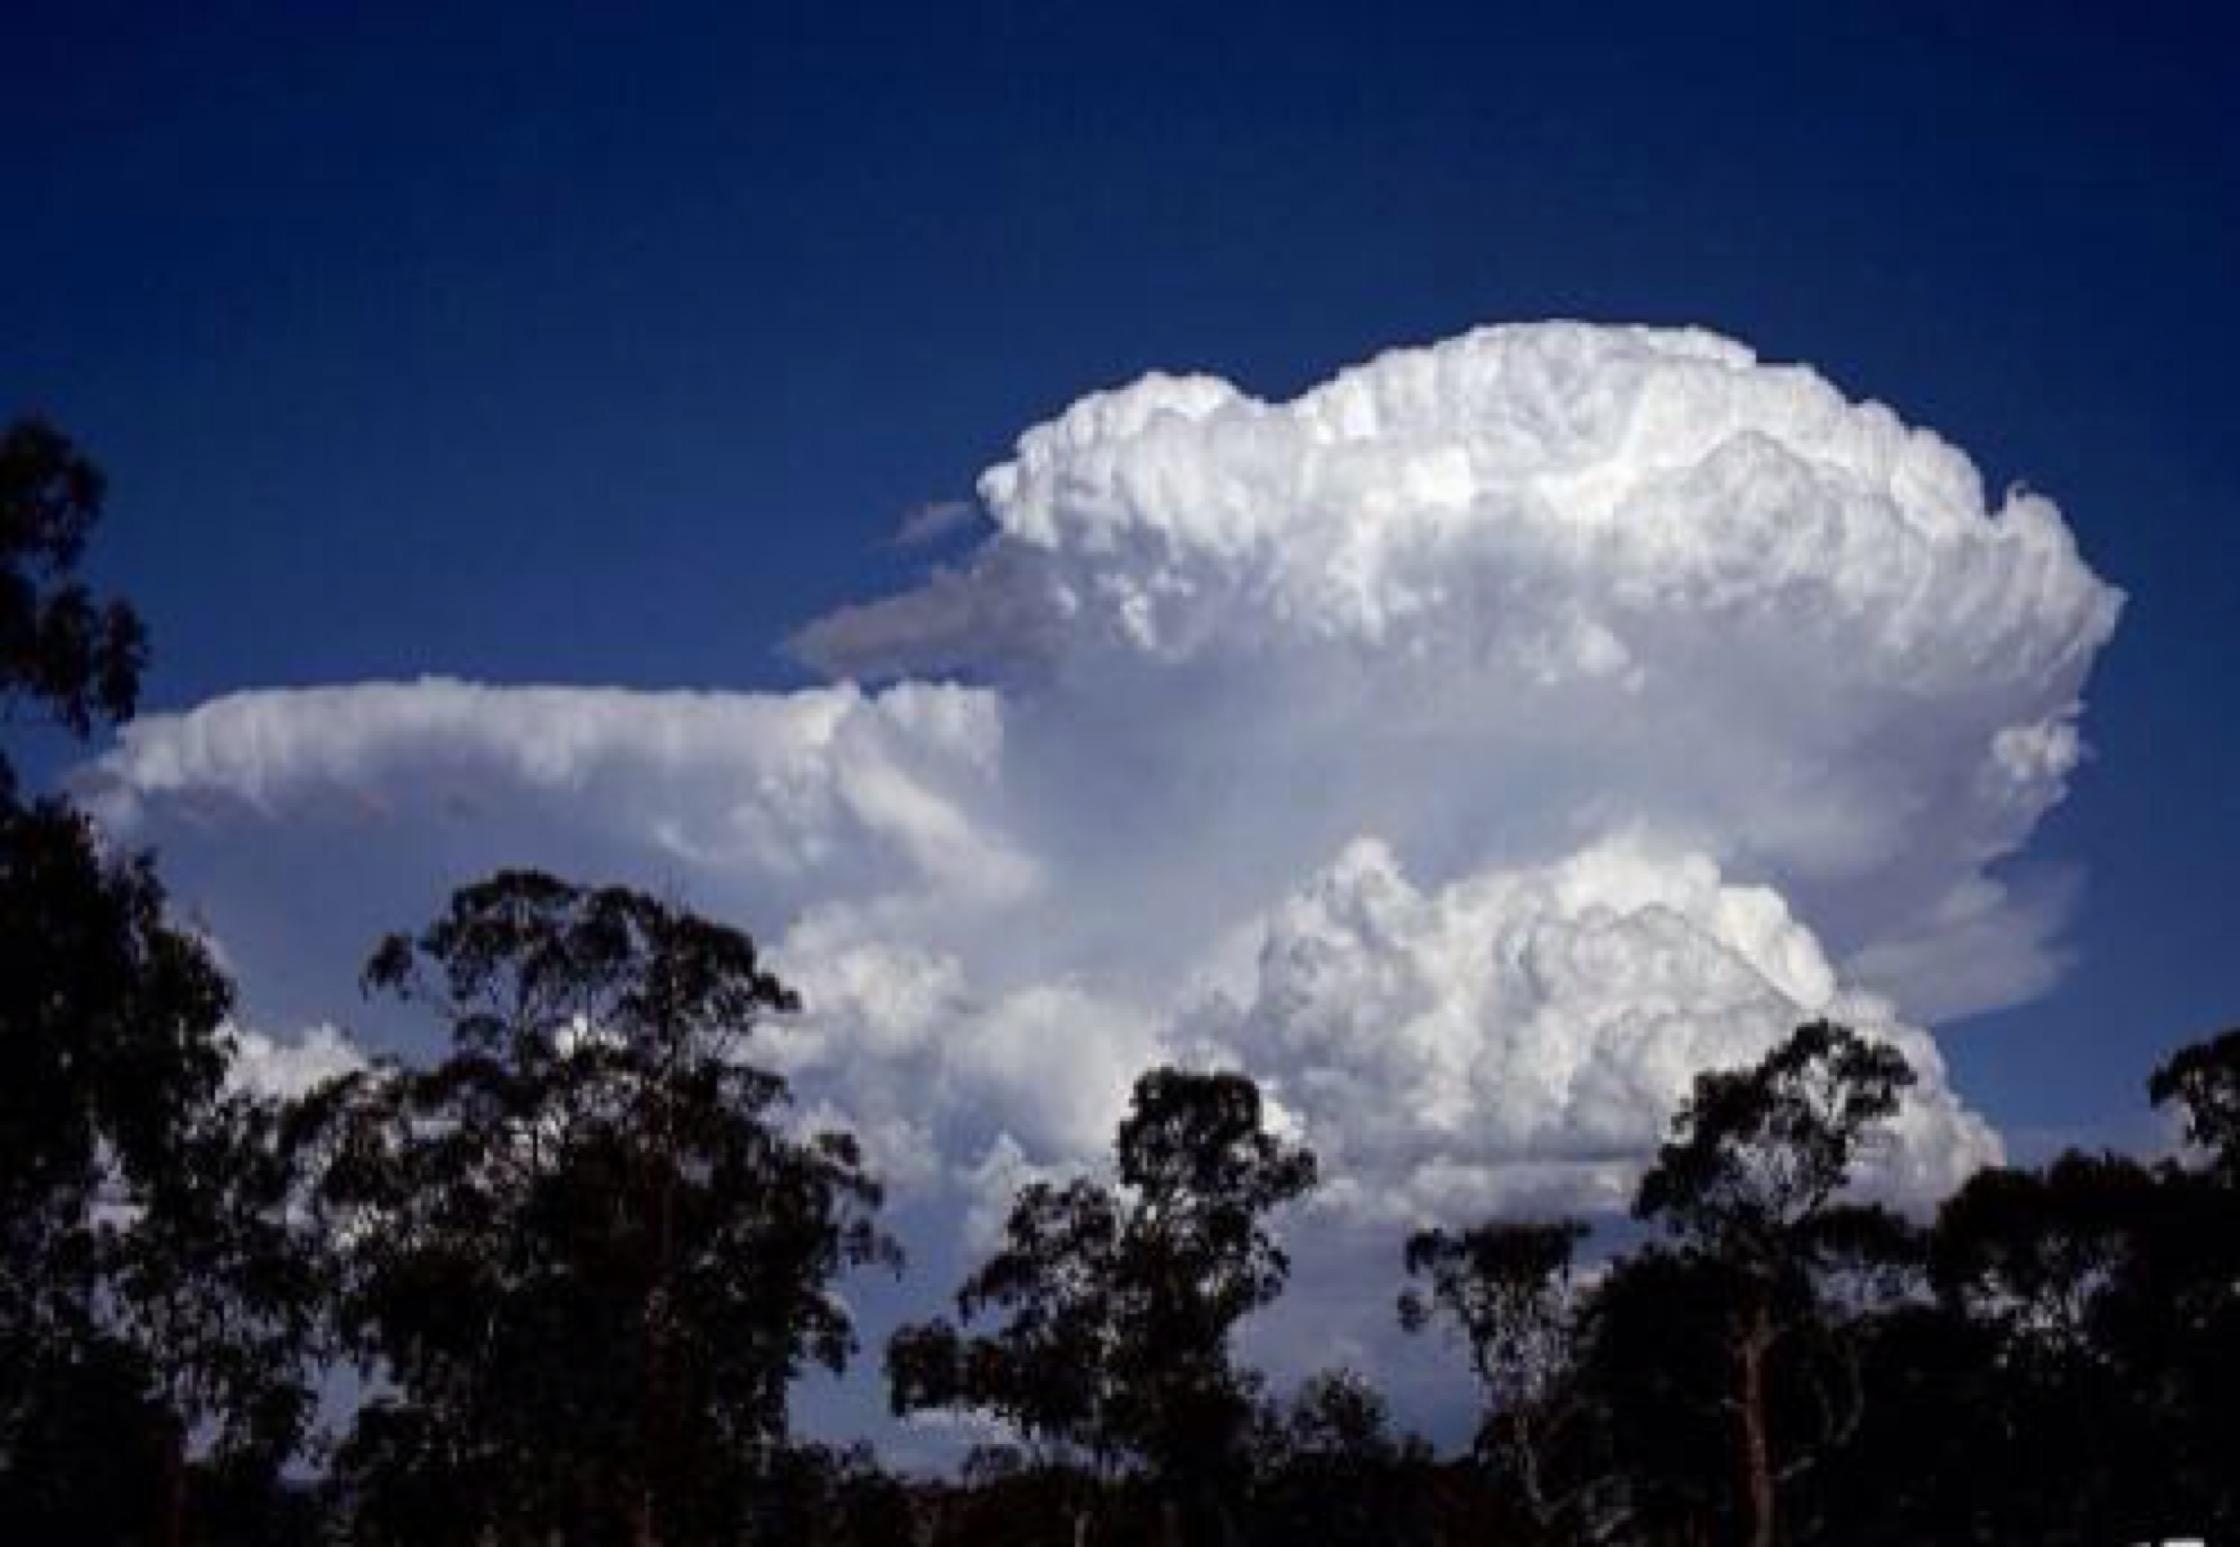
{"x": 1526, "y": 1457}
{"x": 1224, "y": 1523}
{"x": 171, "y": 1518}
{"x": 1755, "y": 1452}
{"x": 656, "y": 1426}
{"x": 642, "y": 1529}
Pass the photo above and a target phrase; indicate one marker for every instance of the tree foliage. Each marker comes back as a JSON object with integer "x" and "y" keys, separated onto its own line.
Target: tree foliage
{"x": 155, "y": 1295}
{"x": 583, "y": 1254}
{"x": 1116, "y": 1303}
{"x": 63, "y": 654}
{"x": 1758, "y": 1152}
{"x": 1509, "y": 1290}
{"x": 1330, "y": 1467}
{"x": 2204, "y": 1079}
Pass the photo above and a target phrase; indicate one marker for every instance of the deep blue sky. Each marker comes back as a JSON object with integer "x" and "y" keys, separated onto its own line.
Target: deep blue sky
{"x": 608, "y": 344}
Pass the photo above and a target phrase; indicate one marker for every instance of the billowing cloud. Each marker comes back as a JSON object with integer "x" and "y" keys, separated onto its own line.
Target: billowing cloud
{"x": 1552, "y": 500}
{"x": 1489, "y": 599}
{"x": 1473, "y": 747}
{"x": 1502, "y": 1038}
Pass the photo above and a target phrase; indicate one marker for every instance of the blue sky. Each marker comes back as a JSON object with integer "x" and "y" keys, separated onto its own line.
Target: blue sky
{"x": 609, "y": 345}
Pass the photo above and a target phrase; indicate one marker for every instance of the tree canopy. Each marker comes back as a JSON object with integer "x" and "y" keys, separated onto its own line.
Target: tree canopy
{"x": 595, "y": 1168}
{"x": 1117, "y": 1302}
{"x": 153, "y": 1287}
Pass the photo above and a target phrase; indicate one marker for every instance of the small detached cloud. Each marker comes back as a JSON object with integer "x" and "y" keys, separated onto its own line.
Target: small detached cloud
{"x": 935, "y": 520}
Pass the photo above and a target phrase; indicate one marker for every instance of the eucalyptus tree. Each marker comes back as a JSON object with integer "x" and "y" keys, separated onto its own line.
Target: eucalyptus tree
{"x": 1115, "y": 1302}
{"x": 67, "y": 658}
{"x": 2202, "y": 1080}
{"x": 584, "y": 1255}
{"x": 157, "y": 1286}
{"x": 1749, "y": 1185}
{"x": 155, "y": 1292}
{"x": 1512, "y": 1291}
{"x": 108, "y": 1017}
{"x": 1330, "y": 1467}
{"x": 2097, "y": 1297}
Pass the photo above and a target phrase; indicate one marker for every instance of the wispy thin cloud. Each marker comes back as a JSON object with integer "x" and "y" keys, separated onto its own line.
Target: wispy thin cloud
{"x": 929, "y": 523}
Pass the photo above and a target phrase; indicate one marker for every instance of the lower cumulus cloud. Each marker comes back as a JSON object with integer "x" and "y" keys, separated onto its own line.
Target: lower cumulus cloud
{"x": 1472, "y": 748}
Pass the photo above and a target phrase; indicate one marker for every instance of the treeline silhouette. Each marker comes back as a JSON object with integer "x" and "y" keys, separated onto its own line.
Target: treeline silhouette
{"x": 575, "y": 1264}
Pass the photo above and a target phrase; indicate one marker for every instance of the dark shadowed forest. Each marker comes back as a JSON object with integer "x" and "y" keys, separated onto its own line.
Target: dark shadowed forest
{"x": 574, "y": 1266}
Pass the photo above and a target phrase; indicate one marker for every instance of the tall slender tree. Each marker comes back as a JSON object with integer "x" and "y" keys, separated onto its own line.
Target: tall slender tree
{"x": 1510, "y": 1290}
{"x": 1748, "y": 1181}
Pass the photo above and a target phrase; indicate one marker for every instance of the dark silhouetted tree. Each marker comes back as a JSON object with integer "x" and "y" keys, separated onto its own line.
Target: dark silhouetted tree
{"x": 1755, "y": 1163}
{"x": 1509, "y": 1290}
{"x": 1329, "y": 1468}
{"x": 582, "y": 1256}
{"x": 1117, "y": 1303}
{"x": 109, "y": 1018}
{"x": 2204, "y": 1080}
{"x": 64, "y": 656}
{"x": 2104, "y": 1299}
{"x": 819, "y": 1496}
{"x": 2186, "y": 1300}
{"x": 153, "y": 1293}
{"x": 215, "y": 1283}
{"x": 1654, "y": 1370}
{"x": 2027, "y": 1260}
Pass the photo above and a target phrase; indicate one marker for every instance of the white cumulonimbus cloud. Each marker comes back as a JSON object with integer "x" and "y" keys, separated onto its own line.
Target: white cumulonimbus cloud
{"x": 1473, "y": 747}
{"x": 1498, "y": 1043}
